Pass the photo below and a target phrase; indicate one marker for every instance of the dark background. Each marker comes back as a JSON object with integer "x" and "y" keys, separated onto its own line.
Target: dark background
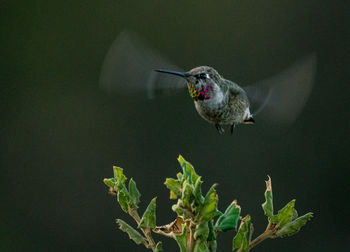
{"x": 61, "y": 134}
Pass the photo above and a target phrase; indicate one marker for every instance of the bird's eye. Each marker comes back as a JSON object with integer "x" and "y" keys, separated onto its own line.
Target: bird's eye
{"x": 203, "y": 76}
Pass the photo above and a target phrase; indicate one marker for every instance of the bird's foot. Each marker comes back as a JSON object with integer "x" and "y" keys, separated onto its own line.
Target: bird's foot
{"x": 232, "y": 128}
{"x": 219, "y": 128}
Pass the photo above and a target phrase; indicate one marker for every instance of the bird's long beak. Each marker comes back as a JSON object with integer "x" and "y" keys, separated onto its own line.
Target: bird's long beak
{"x": 181, "y": 74}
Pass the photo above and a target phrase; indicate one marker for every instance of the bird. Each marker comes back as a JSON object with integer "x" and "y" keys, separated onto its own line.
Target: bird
{"x": 216, "y": 99}
{"x": 131, "y": 68}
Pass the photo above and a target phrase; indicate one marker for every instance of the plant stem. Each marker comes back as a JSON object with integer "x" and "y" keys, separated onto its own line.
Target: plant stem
{"x": 190, "y": 238}
{"x": 146, "y": 231}
{"x": 269, "y": 233}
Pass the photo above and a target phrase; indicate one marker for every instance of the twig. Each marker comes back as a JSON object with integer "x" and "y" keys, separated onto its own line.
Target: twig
{"x": 146, "y": 231}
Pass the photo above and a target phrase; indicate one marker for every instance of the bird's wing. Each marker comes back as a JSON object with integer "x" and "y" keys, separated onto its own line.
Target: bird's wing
{"x": 282, "y": 97}
{"x": 128, "y": 69}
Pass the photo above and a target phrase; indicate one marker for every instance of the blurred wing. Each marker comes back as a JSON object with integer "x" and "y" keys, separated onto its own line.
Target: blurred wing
{"x": 128, "y": 69}
{"x": 282, "y": 97}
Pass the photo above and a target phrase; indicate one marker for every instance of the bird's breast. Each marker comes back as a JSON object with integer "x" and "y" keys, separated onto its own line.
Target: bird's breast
{"x": 222, "y": 108}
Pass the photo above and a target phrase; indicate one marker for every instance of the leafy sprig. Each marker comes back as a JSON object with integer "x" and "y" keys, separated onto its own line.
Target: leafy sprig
{"x": 199, "y": 221}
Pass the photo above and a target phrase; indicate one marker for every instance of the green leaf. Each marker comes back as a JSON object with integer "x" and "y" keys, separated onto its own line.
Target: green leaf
{"x": 200, "y": 246}
{"x": 187, "y": 195}
{"x": 174, "y": 186}
{"x": 218, "y": 213}
{"x": 242, "y": 238}
{"x": 123, "y": 201}
{"x": 109, "y": 182}
{"x": 197, "y": 192}
{"x": 182, "y": 239}
{"x": 123, "y": 195}
{"x": 179, "y": 176}
{"x": 285, "y": 214}
{"x": 159, "y": 247}
{"x": 133, "y": 234}
{"x": 184, "y": 213}
{"x": 148, "y": 219}
{"x": 229, "y": 219}
{"x": 118, "y": 173}
{"x": 212, "y": 245}
{"x": 134, "y": 194}
{"x": 202, "y": 231}
{"x": 208, "y": 210}
{"x": 268, "y": 204}
{"x": 294, "y": 226}
{"x": 212, "y": 233}
{"x": 188, "y": 170}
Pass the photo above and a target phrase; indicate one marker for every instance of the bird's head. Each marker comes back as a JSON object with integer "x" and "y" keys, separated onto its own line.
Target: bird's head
{"x": 201, "y": 81}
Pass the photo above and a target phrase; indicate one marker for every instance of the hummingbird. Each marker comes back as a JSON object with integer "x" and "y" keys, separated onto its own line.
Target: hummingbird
{"x": 216, "y": 99}
{"x": 131, "y": 67}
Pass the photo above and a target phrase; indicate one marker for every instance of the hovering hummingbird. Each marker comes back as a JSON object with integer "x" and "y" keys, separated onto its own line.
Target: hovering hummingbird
{"x": 217, "y": 100}
{"x": 129, "y": 67}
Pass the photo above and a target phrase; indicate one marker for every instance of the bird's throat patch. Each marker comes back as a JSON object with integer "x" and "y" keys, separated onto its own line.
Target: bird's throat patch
{"x": 201, "y": 94}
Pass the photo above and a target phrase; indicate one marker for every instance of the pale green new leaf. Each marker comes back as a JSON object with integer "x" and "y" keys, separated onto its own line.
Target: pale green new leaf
{"x": 110, "y": 182}
{"x": 174, "y": 186}
{"x": 188, "y": 170}
{"x": 133, "y": 234}
{"x": 118, "y": 173}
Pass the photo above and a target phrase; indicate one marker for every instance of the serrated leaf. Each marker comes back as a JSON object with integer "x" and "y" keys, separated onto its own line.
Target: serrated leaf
{"x": 218, "y": 213}
{"x": 159, "y": 247}
{"x": 212, "y": 233}
{"x": 184, "y": 213}
{"x": 148, "y": 219}
{"x": 174, "y": 186}
{"x": 188, "y": 170}
{"x": 179, "y": 176}
{"x": 284, "y": 215}
{"x": 229, "y": 219}
{"x": 187, "y": 195}
{"x": 123, "y": 200}
{"x": 134, "y": 194}
{"x": 110, "y": 182}
{"x": 118, "y": 173}
{"x": 212, "y": 245}
{"x": 242, "y": 238}
{"x": 294, "y": 214}
{"x": 172, "y": 195}
{"x": 197, "y": 192}
{"x": 208, "y": 210}
{"x": 200, "y": 246}
{"x": 268, "y": 204}
{"x": 123, "y": 195}
{"x": 294, "y": 226}
{"x": 182, "y": 239}
{"x": 133, "y": 234}
{"x": 202, "y": 231}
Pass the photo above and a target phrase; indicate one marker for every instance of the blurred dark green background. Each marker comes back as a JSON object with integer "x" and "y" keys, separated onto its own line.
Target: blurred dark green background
{"x": 61, "y": 134}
